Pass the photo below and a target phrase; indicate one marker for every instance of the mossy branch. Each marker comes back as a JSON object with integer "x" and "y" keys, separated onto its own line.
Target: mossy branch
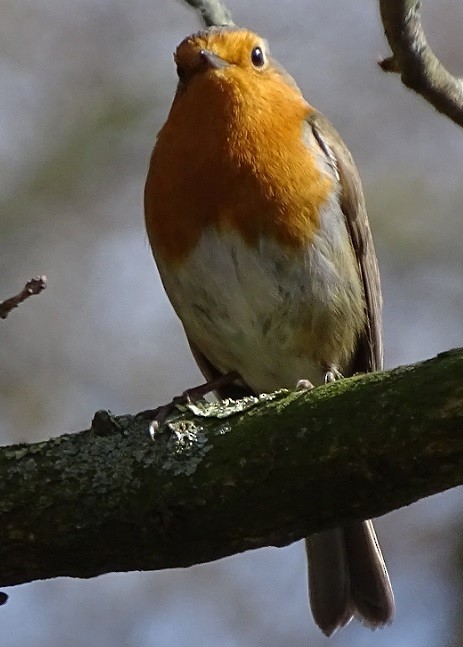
{"x": 232, "y": 478}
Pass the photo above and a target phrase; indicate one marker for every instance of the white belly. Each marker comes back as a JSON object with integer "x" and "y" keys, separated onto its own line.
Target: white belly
{"x": 265, "y": 313}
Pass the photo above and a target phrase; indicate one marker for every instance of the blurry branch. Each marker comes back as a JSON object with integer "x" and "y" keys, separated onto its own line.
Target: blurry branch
{"x": 218, "y": 479}
{"x": 413, "y": 59}
{"x": 212, "y": 12}
{"x": 34, "y": 286}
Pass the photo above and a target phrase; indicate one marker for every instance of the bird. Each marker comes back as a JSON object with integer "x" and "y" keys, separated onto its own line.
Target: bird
{"x": 256, "y": 218}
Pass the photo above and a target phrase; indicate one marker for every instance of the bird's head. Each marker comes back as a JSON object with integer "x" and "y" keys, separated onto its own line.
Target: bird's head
{"x": 234, "y": 63}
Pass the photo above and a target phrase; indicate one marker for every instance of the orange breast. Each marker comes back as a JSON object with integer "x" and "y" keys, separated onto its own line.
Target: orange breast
{"x": 234, "y": 160}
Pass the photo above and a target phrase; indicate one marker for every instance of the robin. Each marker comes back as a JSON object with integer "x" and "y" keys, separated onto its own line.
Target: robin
{"x": 256, "y": 217}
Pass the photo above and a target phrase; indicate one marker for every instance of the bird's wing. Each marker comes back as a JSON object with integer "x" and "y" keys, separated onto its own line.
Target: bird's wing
{"x": 369, "y": 352}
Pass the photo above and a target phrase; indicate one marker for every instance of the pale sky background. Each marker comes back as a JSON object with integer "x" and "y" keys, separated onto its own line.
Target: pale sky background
{"x": 84, "y": 87}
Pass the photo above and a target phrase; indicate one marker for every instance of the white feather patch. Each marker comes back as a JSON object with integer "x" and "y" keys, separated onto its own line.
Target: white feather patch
{"x": 249, "y": 309}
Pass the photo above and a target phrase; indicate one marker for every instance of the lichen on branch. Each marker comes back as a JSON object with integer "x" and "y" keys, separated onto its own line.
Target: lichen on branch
{"x": 218, "y": 480}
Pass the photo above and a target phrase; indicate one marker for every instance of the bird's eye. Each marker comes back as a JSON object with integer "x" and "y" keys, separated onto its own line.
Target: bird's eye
{"x": 257, "y": 57}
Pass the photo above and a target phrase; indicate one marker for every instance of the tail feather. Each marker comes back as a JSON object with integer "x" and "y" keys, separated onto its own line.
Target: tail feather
{"x": 347, "y": 577}
{"x": 371, "y": 591}
{"x": 329, "y": 587}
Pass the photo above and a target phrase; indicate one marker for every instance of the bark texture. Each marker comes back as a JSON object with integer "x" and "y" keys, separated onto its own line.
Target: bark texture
{"x": 217, "y": 480}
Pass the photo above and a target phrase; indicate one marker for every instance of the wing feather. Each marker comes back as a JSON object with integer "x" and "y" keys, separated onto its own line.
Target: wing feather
{"x": 369, "y": 352}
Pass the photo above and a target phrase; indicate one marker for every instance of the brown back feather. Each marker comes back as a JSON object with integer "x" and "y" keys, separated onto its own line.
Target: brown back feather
{"x": 369, "y": 352}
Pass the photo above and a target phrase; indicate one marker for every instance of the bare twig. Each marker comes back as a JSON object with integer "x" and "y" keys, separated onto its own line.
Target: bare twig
{"x": 212, "y": 12}
{"x": 413, "y": 59}
{"x": 34, "y": 286}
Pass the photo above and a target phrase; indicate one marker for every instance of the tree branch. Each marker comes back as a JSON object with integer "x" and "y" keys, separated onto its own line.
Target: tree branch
{"x": 233, "y": 478}
{"x": 212, "y": 12}
{"x": 34, "y": 286}
{"x": 413, "y": 59}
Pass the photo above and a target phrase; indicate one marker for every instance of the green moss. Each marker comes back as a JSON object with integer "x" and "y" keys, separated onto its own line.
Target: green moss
{"x": 216, "y": 479}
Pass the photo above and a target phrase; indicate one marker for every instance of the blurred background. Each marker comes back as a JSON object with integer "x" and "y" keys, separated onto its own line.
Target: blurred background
{"x": 84, "y": 87}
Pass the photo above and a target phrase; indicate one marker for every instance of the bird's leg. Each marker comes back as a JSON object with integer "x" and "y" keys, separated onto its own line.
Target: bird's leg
{"x": 200, "y": 391}
{"x": 159, "y": 415}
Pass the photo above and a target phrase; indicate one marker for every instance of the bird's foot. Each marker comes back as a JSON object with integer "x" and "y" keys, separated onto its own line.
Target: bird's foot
{"x": 304, "y": 385}
{"x": 332, "y": 374}
{"x": 159, "y": 415}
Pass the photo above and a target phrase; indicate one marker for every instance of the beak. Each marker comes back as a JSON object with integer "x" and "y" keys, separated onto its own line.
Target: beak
{"x": 212, "y": 60}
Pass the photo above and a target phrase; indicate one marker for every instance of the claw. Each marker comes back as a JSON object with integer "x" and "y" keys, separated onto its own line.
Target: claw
{"x": 304, "y": 385}
{"x": 159, "y": 416}
{"x": 332, "y": 374}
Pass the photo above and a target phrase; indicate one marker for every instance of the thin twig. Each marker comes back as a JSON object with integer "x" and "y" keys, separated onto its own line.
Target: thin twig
{"x": 212, "y": 12}
{"x": 34, "y": 286}
{"x": 414, "y": 60}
